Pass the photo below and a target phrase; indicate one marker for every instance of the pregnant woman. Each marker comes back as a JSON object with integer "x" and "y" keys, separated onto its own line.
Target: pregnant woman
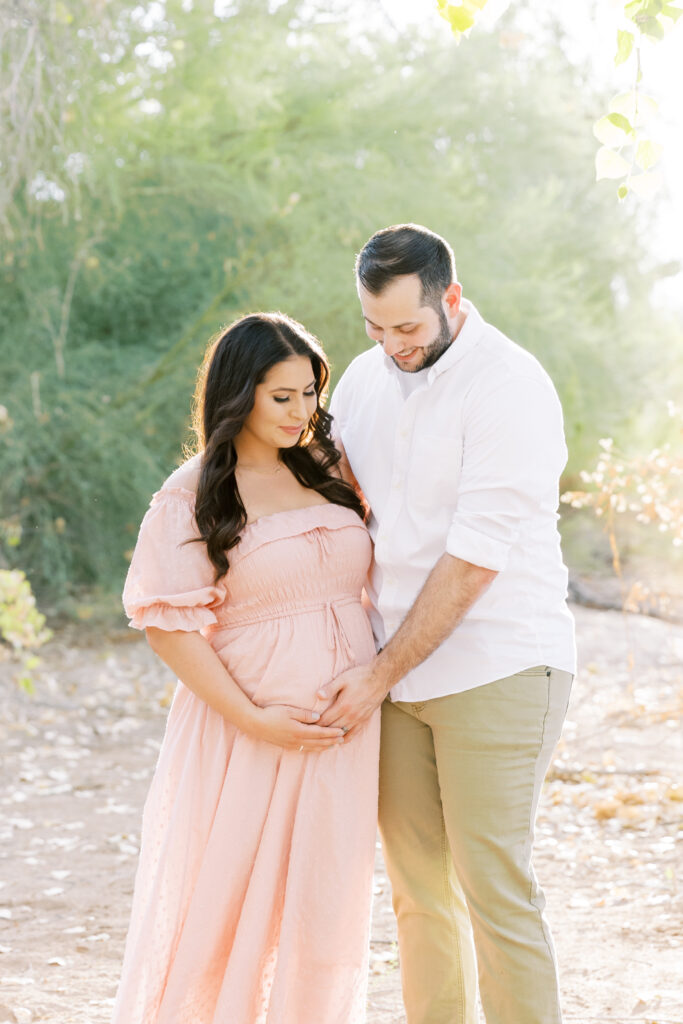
{"x": 252, "y": 896}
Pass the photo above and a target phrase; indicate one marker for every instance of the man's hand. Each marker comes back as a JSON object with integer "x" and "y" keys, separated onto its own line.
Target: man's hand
{"x": 449, "y": 592}
{"x": 451, "y": 589}
{"x": 355, "y": 694}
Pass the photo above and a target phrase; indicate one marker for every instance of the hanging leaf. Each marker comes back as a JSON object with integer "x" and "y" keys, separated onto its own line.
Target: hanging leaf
{"x": 643, "y": 9}
{"x": 459, "y": 18}
{"x": 609, "y": 164}
{"x": 625, "y": 42}
{"x": 669, "y": 11}
{"x": 621, "y": 122}
{"x": 646, "y": 185}
{"x": 613, "y": 130}
{"x": 648, "y": 153}
{"x": 651, "y": 27}
{"x": 639, "y": 109}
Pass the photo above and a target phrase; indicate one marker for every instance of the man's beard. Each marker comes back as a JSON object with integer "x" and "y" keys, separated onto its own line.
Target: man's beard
{"x": 434, "y": 350}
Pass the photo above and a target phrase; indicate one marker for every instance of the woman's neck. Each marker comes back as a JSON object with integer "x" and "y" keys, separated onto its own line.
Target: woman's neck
{"x": 252, "y": 455}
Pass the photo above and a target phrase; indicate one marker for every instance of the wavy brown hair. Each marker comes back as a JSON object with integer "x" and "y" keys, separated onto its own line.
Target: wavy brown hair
{"x": 236, "y": 361}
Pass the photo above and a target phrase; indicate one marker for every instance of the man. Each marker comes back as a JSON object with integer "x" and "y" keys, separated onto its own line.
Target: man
{"x": 455, "y": 436}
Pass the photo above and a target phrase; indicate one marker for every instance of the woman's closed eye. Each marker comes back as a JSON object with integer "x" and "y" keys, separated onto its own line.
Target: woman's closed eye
{"x": 285, "y": 398}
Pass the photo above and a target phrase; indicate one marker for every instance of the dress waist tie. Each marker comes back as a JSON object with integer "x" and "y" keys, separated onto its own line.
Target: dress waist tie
{"x": 337, "y": 640}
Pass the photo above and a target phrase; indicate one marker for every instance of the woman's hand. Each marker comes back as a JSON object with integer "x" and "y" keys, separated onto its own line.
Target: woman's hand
{"x": 294, "y": 729}
{"x": 194, "y": 661}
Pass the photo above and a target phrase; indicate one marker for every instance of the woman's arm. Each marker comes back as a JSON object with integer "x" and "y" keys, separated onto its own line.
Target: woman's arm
{"x": 193, "y": 660}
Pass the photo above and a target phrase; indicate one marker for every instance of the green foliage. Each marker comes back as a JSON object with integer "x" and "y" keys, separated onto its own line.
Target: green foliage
{"x": 648, "y": 19}
{"x": 629, "y": 152}
{"x": 625, "y": 41}
{"x": 460, "y": 16}
{"x": 235, "y": 163}
{"x": 22, "y": 627}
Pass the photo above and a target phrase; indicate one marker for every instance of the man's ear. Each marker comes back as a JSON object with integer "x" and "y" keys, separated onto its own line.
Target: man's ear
{"x": 452, "y": 297}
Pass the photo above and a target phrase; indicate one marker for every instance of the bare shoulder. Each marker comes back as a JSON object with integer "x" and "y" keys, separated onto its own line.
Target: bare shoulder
{"x": 187, "y": 475}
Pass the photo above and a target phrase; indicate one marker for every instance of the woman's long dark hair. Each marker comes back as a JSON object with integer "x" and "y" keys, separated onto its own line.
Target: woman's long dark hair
{"x": 235, "y": 362}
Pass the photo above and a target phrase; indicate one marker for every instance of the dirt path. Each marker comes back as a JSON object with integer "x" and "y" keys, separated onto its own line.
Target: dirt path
{"x": 76, "y": 763}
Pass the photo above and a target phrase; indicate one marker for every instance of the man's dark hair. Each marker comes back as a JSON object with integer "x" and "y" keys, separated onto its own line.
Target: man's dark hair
{"x": 407, "y": 249}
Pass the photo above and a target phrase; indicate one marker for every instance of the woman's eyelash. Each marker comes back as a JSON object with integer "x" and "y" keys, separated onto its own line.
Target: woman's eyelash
{"x": 307, "y": 394}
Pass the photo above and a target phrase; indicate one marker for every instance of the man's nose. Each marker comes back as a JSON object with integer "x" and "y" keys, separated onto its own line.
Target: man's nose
{"x": 392, "y": 344}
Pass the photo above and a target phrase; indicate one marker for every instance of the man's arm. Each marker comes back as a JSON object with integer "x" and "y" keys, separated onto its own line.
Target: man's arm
{"x": 513, "y": 458}
{"x": 335, "y": 409}
{"x": 344, "y": 466}
{"x": 449, "y": 592}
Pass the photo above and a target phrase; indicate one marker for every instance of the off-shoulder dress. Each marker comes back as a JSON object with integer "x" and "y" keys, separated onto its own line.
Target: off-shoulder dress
{"x": 252, "y": 895}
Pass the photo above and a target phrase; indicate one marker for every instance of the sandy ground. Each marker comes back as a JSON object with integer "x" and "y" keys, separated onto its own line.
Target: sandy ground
{"x": 76, "y": 763}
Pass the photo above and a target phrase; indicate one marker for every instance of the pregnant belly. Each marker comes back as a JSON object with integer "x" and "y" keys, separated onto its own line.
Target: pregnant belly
{"x": 285, "y": 660}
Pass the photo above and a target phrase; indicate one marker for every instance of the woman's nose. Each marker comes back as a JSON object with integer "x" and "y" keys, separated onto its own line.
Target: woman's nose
{"x": 298, "y": 410}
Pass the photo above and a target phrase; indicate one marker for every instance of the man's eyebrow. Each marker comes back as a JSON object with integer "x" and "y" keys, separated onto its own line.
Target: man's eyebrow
{"x": 407, "y": 323}
{"x": 311, "y": 385}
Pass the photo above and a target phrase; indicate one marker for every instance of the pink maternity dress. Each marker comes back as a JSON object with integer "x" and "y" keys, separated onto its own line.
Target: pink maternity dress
{"x": 252, "y": 896}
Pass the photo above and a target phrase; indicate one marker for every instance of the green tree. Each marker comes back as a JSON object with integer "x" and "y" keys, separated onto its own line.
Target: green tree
{"x": 239, "y": 162}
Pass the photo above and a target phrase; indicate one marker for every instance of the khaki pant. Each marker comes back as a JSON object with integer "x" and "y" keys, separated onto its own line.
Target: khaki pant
{"x": 460, "y": 778}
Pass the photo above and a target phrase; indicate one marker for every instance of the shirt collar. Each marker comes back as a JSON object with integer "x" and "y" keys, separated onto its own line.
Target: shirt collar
{"x": 468, "y": 336}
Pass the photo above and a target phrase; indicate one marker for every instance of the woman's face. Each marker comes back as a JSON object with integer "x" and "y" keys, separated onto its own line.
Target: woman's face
{"x": 284, "y": 402}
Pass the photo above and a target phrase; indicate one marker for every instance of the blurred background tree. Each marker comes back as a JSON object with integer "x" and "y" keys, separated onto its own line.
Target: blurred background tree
{"x": 170, "y": 166}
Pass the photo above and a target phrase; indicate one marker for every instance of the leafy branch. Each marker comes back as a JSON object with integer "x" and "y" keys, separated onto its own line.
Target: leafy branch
{"x": 460, "y": 16}
{"x": 628, "y": 151}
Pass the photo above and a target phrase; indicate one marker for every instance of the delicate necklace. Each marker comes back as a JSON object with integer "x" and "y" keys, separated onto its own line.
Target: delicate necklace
{"x": 257, "y": 469}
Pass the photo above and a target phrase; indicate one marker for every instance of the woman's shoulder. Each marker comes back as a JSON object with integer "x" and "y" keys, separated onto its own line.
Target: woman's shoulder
{"x": 184, "y": 479}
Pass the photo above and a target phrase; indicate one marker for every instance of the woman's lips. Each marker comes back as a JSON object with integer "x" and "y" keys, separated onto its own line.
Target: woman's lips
{"x": 293, "y": 430}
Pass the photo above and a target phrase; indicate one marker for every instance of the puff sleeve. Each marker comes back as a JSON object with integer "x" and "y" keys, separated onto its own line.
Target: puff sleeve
{"x": 170, "y": 583}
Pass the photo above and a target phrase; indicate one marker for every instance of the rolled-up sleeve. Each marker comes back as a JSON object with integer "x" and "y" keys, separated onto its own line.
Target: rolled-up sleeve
{"x": 513, "y": 453}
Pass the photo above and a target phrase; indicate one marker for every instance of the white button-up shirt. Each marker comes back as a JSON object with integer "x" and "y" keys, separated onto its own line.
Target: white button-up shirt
{"x": 465, "y": 460}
